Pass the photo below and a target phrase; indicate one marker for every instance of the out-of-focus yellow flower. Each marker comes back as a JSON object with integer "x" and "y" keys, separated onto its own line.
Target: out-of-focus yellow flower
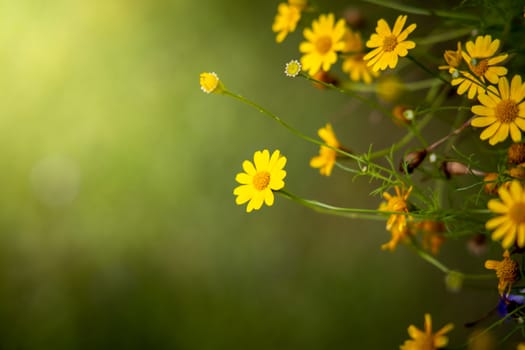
{"x": 285, "y": 21}
{"x": 326, "y": 159}
{"x": 322, "y": 43}
{"x": 426, "y": 340}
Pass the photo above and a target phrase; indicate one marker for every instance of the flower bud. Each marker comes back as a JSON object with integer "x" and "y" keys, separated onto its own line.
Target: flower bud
{"x": 491, "y": 186}
{"x": 412, "y": 160}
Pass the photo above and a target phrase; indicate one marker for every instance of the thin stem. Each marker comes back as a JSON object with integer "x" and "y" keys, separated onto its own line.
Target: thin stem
{"x": 426, "y": 69}
{"x": 351, "y": 93}
{"x": 288, "y": 126}
{"x": 430, "y": 259}
{"x": 437, "y": 38}
{"x": 444, "y": 108}
{"x": 354, "y": 213}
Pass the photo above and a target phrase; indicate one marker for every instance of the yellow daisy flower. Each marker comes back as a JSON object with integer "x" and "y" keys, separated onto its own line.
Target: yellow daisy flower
{"x": 480, "y": 58}
{"x": 389, "y": 44}
{"x": 501, "y": 113}
{"x": 482, "y": 64}
{"x": 426, "y": 340}
{"x": 396, "y": 223}
{"x": 510, "y": 224}
{"x": 507, "y": 270}
{"x": 285, "y": 21}
{"x": 326, "y": 159}
{"x": 260, "y": 179}
{"x": 323, "y": 41}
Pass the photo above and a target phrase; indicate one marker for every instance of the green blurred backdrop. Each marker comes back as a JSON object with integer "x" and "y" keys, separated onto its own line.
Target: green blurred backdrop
{"x": 118, "y": 227}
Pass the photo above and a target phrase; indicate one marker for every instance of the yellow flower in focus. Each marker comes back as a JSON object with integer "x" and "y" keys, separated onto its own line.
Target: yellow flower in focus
{"x": 507, "y": 270}
{"x": 426, "y": 340}
{"x": 323, "y": 41}
{"x": 503, "y": 113}
{"x": 285, "y": 21}
{"x": 396, "y": 223}
{"x": 510, "y": 224}
{"x": 482, "y": 64}
{"x": 481, "y": 59}
{"x": 260, "y": 179}
{"x": 388, "y": 45}
{"x": 453, "y": 59}
{"x": 210, "y": 83}
{"x": 326, "y": 159}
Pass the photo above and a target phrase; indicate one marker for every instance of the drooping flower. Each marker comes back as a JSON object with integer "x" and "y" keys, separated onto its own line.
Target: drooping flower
{"x": 285, "y": 21}
{"x": 396, "y": 223}
{"x": 426, "y": 340}
{"x": 453, "y": 59}
{"x": 502, "y": 112}
{"x": 210, "y": 82}
{"x": 326, "y": 159}
{"x": 507, "y": 271}
{"x": 259, "y": 179}
{"x": 433, "y": 234}
{"x": 389, "y": 44}
{"x": 292, "y": 68}
{"x": 323, "y": 41}
{"x": 510, "y": 224}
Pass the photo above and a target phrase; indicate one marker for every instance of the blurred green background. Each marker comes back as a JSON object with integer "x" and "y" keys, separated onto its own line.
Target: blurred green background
{"x": 118, "y": 227}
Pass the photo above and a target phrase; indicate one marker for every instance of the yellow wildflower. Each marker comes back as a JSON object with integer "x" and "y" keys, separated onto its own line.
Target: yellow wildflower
{"x": 396, "y": 223}
{"x": 285, "y": 21}
{"x": 501, "y": 113}
{"x": 323, "y": 41}
{"x": 510, "y": 224}
{"x": 507, "y": 270}
{"x": 426, "y": 340}
{"x": 260, "y": 179}
{"x": 388, "y": 45}
{"x": 210, "y": 83}
{"x": 326, "y": 159}
{"x": 453, "y": 59}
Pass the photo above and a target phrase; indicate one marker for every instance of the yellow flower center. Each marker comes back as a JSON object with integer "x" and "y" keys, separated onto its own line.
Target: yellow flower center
{"x": 389, "y": 43}
{"x": 480, "y": 67}
{"x": 506, "y": 111}
{"x": 323, "y": 44}
{"x": 517, "y": 213}
{"x": 261, "y": 180}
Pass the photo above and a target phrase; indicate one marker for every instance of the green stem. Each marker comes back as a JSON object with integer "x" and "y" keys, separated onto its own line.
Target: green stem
{"x": 430, "y": 259}
{"x": 426, "y": 69}
{"x": 354, "y": 213}
{"x": 350, "y": 93}
{"x": 424, "y": 12}
{"x": 288, "y": 126}
{"x": 412, "y": 86}
{"x": 444, "y": 108}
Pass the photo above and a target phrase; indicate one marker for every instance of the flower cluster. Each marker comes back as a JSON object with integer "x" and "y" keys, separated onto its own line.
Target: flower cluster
{"x": 455, "y": 185}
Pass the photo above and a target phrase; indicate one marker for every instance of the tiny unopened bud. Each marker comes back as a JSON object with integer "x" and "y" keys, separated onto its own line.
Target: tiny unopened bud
{"x": 353, "y": 17}
{"x": 412, "y": 160}
{"x": 432, "y": 158}
{"x": 457, "y": 168}
{"x": 491, "y": 185}
{"x": 477, "y": 245}
{"x": 454, "y": 281}
{"x": 400, "y": 118}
